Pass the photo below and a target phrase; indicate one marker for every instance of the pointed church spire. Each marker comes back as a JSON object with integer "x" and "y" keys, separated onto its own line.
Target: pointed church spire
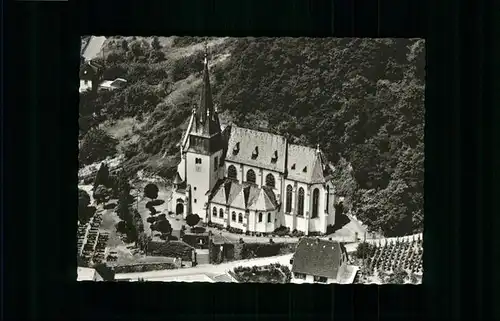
{"x": 206, "y": 107}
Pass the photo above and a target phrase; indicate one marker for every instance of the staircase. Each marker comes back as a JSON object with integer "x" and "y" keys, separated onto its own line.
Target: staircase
{"x": 202, "y": 256}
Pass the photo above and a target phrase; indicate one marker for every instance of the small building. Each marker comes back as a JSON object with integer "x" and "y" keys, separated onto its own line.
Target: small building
{"x": 90, "y": 76}
{"x": 88, "y": 274}
{"x": 118, "y": 83}
{"x": 319, "y": 261}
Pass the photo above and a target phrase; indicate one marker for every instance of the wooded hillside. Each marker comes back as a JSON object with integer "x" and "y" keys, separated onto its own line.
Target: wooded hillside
{"x": 361, "y": 100}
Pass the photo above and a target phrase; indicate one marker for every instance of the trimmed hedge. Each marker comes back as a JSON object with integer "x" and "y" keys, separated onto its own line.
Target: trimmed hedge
{"x": 252, "y": 250}
{"x": 171, "y": 249}
{"x": 144, "y": 267}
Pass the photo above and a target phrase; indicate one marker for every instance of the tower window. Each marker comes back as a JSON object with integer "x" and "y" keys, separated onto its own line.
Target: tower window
{"x": 216, "y": 163}
{"x": 221, "y": 213}
{"x": 197, "y": 160}
{"x": 233, "y": 216}
{"x": 293, "y": 166}
{"x": 260, "y": 217}
{"x": 268, "y": 217}
{"x": 240, "y": 218}
{"x": 305, "y": 169}
{"x": 214, "y": 211}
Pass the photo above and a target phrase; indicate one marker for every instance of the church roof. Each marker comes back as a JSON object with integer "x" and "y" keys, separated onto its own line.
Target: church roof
{"x": 177, "y": 179}
{"x": 243, "y": 195}
{"x": 207, "y": 121}
{"x": 305, "y": 164}
{"x": 256, "y": 148}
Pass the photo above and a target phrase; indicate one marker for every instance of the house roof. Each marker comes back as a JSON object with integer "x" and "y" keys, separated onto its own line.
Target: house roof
{"x": 305, "y": 164}
{"x": 243, "y": 195}
{"x": 318, "y": 257}
{"x": 256, "y": 148}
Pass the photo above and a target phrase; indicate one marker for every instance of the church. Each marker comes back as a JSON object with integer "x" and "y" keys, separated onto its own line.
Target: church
{"x": 248, "y": 179}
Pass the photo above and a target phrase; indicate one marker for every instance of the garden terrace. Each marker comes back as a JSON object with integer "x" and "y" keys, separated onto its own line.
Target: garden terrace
{"x": 273, "y": 273}
{"x": 390, "y": 256}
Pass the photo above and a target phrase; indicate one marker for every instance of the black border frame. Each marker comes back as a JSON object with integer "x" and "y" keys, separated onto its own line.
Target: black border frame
{"x": 39, "y": 159}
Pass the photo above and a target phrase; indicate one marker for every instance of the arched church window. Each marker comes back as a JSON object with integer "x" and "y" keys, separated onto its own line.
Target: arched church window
{"x": 231, "y": 172}
{"x": 251, "y": 176}
{"x": 300, "y": 207}
{"x": 327, "y": 206}
{"x": 214, "y": 211}
{"x": 260, "y": 217}
{"x": 270, "y": 180}
{"x": 221, "y": 213}
{"x": 289, "y": 190}
{"x": 240, "y": 218}
{"x": 233, "y": 216}
{"x": 315, "y": 203}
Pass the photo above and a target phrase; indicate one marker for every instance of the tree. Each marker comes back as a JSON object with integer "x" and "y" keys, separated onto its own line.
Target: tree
{"x": 102, "y": 176}
{"x": 151, "y": 191}
{"x": 192, "y": 219}
{"x": 155, "y": 43}
{"x": 96, "y": 146}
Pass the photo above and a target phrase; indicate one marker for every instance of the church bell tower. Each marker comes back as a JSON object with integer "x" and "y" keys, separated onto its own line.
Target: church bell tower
{"x": 204, "y": 148}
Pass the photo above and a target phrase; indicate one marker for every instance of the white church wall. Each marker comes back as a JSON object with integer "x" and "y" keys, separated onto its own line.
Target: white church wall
{"x": 236, "y": 223}
{"x": 301, "y": 224}
{"x": 289, "y": 221}
{"x": 217, "y": 219}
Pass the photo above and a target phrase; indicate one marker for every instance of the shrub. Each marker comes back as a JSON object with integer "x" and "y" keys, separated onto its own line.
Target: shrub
{"x": 109, "y": 206}
{"x": 151, "y": 191}
{"x": 234, "y": 230}
{"x": 296, "y": 233}
{"x": 161, "y": 217}
{"x": 162, "y": 226}
{"x": 192, "y": 219}
{"x": 151, "y": 219}
{"x": 282, "y": 231}
{"x": 198, "y": 229}
{"x": 156, "y": 202}
{"x": 101, "y": 193}
{"x": 83, "y": 199}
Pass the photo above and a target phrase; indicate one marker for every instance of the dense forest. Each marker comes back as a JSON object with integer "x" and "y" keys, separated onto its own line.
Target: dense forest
{"x": 361, "y": 100}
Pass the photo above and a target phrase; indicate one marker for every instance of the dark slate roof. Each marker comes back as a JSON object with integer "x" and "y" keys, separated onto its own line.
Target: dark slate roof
{"x": 268, "y": 145}
{"x": 305, "y": 164}
{"x": 318, "y": 257}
